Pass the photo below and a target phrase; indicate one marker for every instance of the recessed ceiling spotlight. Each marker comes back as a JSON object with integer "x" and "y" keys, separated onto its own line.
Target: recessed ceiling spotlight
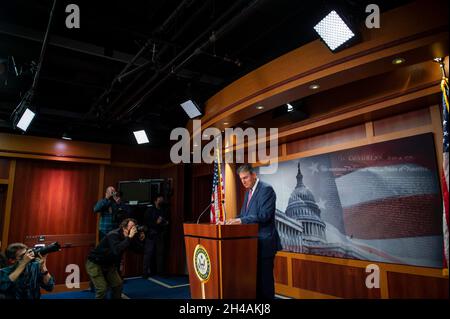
{"x": 397, "y": 61}
{"x": 314, "y": 86}
{"x": 225, "y": 123}
{"x": 259, "y": 107}
{"x": 66, "y": 137}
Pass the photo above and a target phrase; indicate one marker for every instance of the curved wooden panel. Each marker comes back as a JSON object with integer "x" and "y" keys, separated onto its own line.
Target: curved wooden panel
{"x": 274, "y": 83}
{"x": 58, "y": 149}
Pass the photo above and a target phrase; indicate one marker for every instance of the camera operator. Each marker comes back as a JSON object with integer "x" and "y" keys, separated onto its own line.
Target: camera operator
{"x": 26, "y": 276}
{"x": 108, "y": 208}
{"x": 102, "y": 261}
{"x": 156, "y": 221}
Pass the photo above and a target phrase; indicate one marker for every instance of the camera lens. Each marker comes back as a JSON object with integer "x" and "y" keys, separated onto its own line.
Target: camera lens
{"x": 141, "y": 228}
{"x": 53, "y": 247}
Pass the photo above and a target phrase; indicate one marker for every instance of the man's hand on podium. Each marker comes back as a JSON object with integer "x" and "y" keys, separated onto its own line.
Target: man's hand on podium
{"x": 233, "y": 221}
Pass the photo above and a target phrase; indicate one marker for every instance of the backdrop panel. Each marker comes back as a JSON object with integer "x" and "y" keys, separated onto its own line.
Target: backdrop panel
{"x": 379, "y": 202}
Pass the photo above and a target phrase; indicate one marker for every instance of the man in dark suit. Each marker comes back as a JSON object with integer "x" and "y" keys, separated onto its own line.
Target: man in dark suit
{"x": 155, "y": 220}
{"x": 259, "y": 208}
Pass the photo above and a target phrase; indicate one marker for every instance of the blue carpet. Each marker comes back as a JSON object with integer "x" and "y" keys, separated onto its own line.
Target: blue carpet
{"x": 146, "y": 289}
{"x": 137, "y": 288}
{"x": 172, "y": 281}
{"x": 84, "y": 294}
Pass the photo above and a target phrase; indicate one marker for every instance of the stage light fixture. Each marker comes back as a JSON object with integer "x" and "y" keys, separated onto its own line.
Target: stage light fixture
{"x": 141, "y": 137}
{"x": 334, "y": 31}
{"x": 26, "y": 119}
{"x": 191, "y": 109}
{"x": 290, "y": 108}
{"x": 23, "y": 114}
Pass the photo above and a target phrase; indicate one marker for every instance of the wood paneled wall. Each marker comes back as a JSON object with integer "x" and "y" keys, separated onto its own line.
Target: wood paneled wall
{"x": 139, "y": 155}
{"x": 176, "y": 251}
{"x": 4, "y": 168}
{"x": 53, "y": 195}
{"x": 407, "y": 285}
{"x": 53, "y": 198}
{"x": 3, "y": 194}
{"x": 200, "y": 190}
{"x": 327, "y": 278}
{"x": 311, "y": 277}
{"x": 201, "y": 194}
{"x": 114, "y": 174}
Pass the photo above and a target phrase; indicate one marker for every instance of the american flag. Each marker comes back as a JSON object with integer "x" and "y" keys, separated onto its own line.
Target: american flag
{"x": 217, "y": 196}
{"x": 445, "y": 97}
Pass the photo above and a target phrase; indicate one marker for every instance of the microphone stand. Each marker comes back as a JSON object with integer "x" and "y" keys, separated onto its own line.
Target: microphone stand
{"x": 204, "y": 211}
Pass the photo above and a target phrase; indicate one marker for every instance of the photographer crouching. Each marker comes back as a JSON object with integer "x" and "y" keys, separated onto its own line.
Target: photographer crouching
{"x": 27, "y": 275}
{"x": 102, "y": 261}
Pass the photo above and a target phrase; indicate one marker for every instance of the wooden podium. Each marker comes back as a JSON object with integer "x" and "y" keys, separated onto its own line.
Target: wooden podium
{"x": 221, "y": 260}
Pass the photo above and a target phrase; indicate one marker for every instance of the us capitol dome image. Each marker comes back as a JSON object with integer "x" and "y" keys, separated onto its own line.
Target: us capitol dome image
{"x": 302, "y": 229}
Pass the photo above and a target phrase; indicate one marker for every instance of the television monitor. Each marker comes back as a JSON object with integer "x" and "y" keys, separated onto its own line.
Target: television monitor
{"x": 135, "y": 191}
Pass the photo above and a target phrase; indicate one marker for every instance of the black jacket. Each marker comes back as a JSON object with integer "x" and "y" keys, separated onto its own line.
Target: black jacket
{"x": 3, "y": 260}
{"x": 151, "y": 216}
{"x": 261, "y": 211}
{"x": 111, "y": 248}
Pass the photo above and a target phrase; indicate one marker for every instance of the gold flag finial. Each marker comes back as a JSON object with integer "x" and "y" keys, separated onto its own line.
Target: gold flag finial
{"x": 442, "y": 66}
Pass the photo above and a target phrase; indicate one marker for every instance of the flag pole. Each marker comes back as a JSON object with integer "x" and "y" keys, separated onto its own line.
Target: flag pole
{"x": 444, "y": 82}
{"x": 445, "y": 89}
{"x": 222, "y": 193}
{"x": 442, "y": 65}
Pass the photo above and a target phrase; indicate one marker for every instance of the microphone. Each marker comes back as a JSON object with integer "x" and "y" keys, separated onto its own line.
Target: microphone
{"x": 204, "y": 211}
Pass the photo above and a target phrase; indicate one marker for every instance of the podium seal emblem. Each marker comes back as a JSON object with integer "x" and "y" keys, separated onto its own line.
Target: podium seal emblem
{"x": 202, "y": 263}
